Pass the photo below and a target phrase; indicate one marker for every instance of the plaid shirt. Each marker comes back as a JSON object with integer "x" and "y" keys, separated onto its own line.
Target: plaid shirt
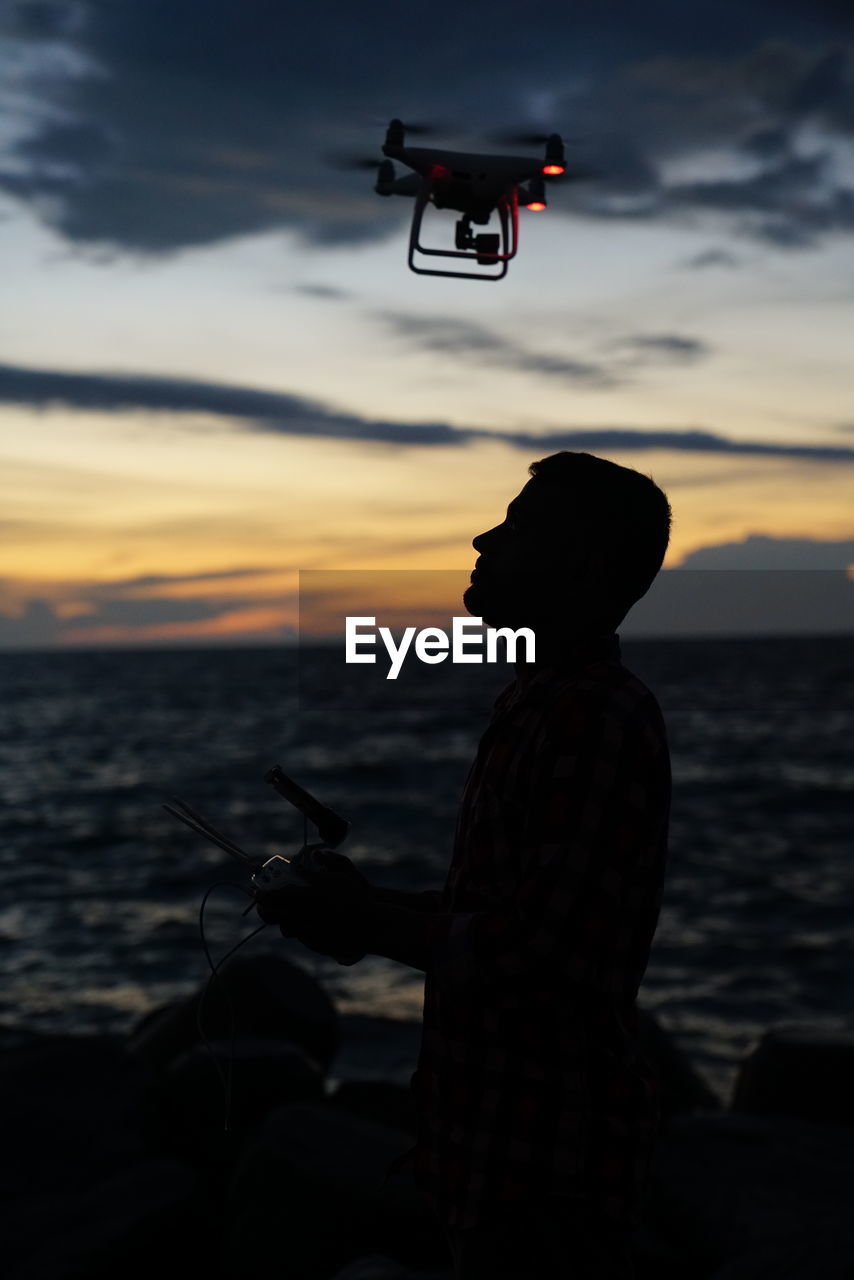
{"x": 530, "y": 1081}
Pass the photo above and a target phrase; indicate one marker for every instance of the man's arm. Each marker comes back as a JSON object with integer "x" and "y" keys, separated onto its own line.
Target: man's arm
{"x": 342, "y": 913}
{"x": 399, "y": 925}
{"x": 426, "y": 900}
{"x": 399, "y": 933}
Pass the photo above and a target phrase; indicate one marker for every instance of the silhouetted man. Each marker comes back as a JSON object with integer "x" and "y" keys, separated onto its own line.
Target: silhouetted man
{"x": 537, "y": 1114}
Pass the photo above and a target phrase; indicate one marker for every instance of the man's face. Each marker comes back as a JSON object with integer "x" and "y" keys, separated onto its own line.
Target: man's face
{"x": 530, "y": 571}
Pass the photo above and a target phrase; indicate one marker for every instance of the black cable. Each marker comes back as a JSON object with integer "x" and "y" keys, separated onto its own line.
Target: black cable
{"x": 225, "y": 1081}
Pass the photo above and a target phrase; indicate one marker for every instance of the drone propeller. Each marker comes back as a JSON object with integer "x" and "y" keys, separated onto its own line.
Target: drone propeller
{"x": 343, "y": 160}
{"x": 421, "y": 130}
{"x": 418, "y": 128}
{"x": 523, "y": 138}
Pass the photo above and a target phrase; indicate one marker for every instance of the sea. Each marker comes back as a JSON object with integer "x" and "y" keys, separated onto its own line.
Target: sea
{"x": 102, "y": 888}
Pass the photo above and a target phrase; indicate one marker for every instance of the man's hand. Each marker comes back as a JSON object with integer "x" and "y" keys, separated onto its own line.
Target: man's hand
{"x": 328, "y": 914}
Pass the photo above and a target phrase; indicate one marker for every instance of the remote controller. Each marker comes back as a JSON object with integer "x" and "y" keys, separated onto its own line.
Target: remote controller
{"x": 279, "y": 875}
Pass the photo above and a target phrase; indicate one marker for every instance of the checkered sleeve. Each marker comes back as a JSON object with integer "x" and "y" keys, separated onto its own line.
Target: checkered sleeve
{"x": 596, "y": 799}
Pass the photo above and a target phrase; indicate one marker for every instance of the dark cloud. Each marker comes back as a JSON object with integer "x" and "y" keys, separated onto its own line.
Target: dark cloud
{"x": 116, "y": 604}
{"x": 150, "y": 611}
{"x": 464, "y": 340}
{"x": 669, "y": 346}
{"x": 767, "y": 143}
{"x": 712, "y": 258}
{"x": 265, "y": 410}
{"x": 824, "y": 87}
{"x": 720, "y": 594}
{"x": 45, "y": 19}
{"x": 38, "y": 625}
{"x": 762, "y": 192}
{"x": 691, "y": 441}
{"x": 782, "y": 205}
{"x": 74, "y": 145}
{"x": 162, "y": 579}
{"x": 758, "y": 585}
{"x": 279, "y": 413}
{"x": 744, "y": 601}
{"x": 323, "y": 291}
{"x": 758, "y": 551}
{"x": 143, "y": 131}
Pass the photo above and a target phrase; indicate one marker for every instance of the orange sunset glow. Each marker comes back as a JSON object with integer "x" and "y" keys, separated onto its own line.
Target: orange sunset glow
{"x": 202, "y": 399}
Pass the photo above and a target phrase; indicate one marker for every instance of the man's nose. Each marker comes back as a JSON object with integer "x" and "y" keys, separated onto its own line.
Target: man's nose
{"x": 482, "y": 541}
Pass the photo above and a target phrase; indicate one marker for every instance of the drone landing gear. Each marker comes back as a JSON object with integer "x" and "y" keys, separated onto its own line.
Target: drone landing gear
{"x": 482, "y": 248}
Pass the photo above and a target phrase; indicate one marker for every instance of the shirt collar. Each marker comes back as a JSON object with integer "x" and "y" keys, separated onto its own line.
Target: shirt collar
{"x": 565, "y": 655}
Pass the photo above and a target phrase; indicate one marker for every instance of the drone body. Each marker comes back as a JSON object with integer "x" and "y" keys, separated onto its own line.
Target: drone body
{"x": 475, "y": 186}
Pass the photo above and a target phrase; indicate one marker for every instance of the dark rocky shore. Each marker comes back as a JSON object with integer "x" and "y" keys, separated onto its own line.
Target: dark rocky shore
{"x": 118, "y": 1166}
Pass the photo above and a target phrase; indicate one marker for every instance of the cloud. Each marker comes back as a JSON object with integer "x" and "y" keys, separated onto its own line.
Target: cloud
{"x": 778, "y": 204}
{"x": 464, "y": 340}
{"x": 758, "y": 551}
{"x": 326, "y": 291}
{"x": 473, "y": 343}
{"x": 37, "y": 625}
{"x": 279, "y": 413}
{"x": 712, "y": 258}
{"x": 123, "y": 612}
{"x": 690, "y": 441}
{"x": 757, "y": 585}
{"x": 271, "y": 411}
{"x": 127, "y": 610}
{"x": 670, "y": 346}
{"x": 745, "y": 602}
{"x": 136, "y": 133}
{"x": 172, "y": 579}
{"x": 760, "y": 585}
{"x": 742, "y": 599}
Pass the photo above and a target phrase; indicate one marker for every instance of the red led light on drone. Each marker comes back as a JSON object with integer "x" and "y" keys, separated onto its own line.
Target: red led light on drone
{"x": 554, "y": 169}
{"x": 536, "y": 206}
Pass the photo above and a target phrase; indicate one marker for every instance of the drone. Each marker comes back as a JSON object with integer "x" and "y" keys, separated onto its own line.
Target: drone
{"x": 475, "y": 186}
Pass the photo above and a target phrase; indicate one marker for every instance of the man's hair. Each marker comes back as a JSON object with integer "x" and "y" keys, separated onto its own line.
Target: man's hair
{"x": 622, "y": 513}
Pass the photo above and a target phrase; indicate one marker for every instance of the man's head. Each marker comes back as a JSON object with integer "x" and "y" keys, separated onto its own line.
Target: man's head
{"x": 580, "y": 544}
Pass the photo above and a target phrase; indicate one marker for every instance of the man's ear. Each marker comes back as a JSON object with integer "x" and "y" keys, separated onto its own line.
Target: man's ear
{"x": 595, "y": 568}
{"x": 597, "y": 584}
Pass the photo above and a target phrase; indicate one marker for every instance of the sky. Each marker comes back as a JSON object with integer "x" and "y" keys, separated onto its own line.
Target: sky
{"x": 217, "y": 371}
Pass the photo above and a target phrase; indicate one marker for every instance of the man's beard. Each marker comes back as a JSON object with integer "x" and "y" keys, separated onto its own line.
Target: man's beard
{"x": 530, "y": 601}
{"x": 478, "y": 604}
{"x": 506, "y": 604}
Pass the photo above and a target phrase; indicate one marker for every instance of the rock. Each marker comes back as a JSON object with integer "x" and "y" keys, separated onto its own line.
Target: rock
{"x": 683, "y": 1090}
{"x": 378, "y": 1267}
{"x": 72, "y": 1113}
{"x": 378, "y": 1100}
{"x": 726, "y": 1184}
{"x": 373, "y": 1046}
{"x": 799, "y": 1071}
{"x": 306, "y": 1195}
{"x": 802, "y": 1255}
{"x": 149, "y": 1220}
{"x": 211, "y": 1084}
{"x": 261, "y": 996}
{"x": 654, "y": 1256}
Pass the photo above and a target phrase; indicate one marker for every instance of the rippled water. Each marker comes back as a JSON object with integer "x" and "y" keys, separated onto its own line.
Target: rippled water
{"x": 101, "y": 888}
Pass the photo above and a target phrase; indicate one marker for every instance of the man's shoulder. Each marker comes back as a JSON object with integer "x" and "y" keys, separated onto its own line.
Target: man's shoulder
{"x": 599, "y": 683}
{"x": 602, "y": 690}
